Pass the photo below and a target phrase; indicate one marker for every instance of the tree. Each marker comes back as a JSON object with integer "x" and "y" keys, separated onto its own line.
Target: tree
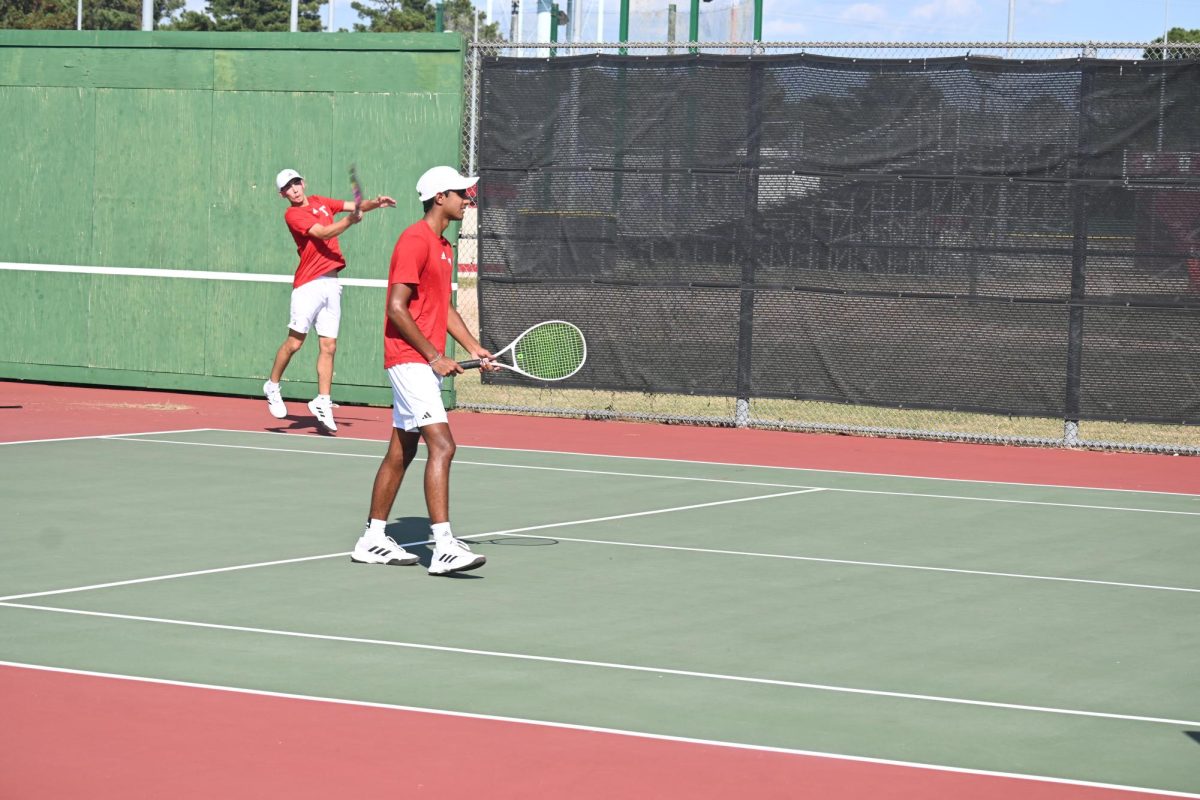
{"x": 250, "y": 15}
{"x": 1174, "y": 36}
{"x": 459, "y": 15}
{"x": 395, "y": 16}
{"x": 398, "y": 16}
{"x": 109, "y": 15}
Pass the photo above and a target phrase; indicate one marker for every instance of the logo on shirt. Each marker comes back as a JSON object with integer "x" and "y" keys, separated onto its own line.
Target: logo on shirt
{"x": 319, "y": 210}
{"x": 445, "y": 257}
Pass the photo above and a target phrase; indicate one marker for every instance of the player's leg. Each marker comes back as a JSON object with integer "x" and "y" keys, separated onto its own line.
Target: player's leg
{"x": 327, "y": 322}
{"x": 375, "y": 546}
{"x": 440, "y": 446}
{"x": 305, "y": 304}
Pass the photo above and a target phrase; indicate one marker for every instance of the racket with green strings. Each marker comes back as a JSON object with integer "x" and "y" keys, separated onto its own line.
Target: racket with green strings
{"x": 549, "y": 351}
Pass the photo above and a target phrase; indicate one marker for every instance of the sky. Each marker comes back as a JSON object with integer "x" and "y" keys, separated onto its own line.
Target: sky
{"x": 902, "y": 20}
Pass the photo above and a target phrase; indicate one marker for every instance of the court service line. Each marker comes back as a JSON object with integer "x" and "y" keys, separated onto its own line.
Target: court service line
{"x": 577, "y": 662}
{"x": 880, "y": 564}
{"x": 590, "y": 729}
{"x": 132, "y": 581}
{"x": 1010, "y": 501}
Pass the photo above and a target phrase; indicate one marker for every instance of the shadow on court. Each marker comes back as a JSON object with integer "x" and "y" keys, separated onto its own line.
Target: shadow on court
{"x": 412, "y": 533}
{"x": 1193, "y": 735}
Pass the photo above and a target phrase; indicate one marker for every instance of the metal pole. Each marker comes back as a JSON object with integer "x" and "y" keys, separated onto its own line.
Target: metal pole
{"x": 147, "y": 15}
{"x": 439, "y": 20}
{"x": 331, "y": 3}
{"x": 758, "y": 15}
{"x": 694, "y": 26}
{"x": 79, "y": 16}
{"x": 1012, "y": 13}
{"x": 671, "y": 28}
{"x": 600, "y": 20}
{"x": 553, "y": 28}
{"x": 295, "y": 25}
{"x": 624, "y": 32}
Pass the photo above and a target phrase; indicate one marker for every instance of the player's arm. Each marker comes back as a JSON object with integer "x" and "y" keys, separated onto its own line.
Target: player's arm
{"x": 382, "y": 201}
{"x": 399, "y": 295}
{"x": 326, "y": 232}
{"x": 457, "y": 328}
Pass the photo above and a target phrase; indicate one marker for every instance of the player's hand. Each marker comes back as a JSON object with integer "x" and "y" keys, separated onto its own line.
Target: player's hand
{"x": 356, "y": 216}
{"x": 383, "y": 201}
{"x": 485, "y": 359}
{"x": 444, "y": 365}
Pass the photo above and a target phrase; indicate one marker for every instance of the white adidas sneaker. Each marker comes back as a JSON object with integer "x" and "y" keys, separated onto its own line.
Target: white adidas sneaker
{"x": 381, "y": 550}
{"x": 453, "y": 555}
{"x": 274, "y": 400}
{"x": 323, "y": 411}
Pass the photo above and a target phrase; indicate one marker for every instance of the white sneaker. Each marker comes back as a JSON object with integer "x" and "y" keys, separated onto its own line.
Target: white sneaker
{"x": 454, "y": 556}
{"x": 381, "y": 550}
{"x": 274, "y": 400}
{"x": 323, "y": 411}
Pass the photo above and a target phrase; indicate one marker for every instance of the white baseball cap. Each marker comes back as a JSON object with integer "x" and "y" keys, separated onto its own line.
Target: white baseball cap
{"x": 442, "y": 179}
{"x": 285, "y": 177}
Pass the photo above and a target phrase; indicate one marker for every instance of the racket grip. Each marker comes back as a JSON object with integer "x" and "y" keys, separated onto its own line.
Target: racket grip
{"x": 472, "y": 364}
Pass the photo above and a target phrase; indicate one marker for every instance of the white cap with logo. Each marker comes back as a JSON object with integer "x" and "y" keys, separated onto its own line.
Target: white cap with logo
{"x": 285, "y": 177}
{"x": 442, "y": 179}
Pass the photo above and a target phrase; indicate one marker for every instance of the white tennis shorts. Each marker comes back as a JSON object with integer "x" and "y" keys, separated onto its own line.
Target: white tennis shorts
{"x": 416, "y": 396}
{"x": 318, "y": 301}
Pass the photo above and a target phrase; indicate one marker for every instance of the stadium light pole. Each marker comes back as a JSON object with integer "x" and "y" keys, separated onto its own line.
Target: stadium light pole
{"x": 147, "y": 15}
{"x": 295, "y": 23}
{"x": 79, "y": 16}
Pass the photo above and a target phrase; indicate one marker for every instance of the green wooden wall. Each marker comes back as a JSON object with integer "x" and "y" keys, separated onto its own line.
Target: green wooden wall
{"x": 159, "y": 151}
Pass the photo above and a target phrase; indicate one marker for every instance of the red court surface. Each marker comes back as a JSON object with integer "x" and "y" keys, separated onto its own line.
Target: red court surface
{"x": 36, "y": 411}
{"x": 70, "y": 735}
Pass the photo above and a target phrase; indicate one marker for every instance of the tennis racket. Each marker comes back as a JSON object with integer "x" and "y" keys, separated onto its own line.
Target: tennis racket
{"x": 356, "y": 187}
{"x": 549, "y": 351}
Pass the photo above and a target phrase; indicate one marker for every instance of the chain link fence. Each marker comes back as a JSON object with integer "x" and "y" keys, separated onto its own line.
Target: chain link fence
{"x": 796, "y": 415}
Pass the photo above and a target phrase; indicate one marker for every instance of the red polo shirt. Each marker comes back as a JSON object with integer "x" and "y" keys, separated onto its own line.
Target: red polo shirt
{"x": 425, "y": 261}
{"x": 317, "y": 256}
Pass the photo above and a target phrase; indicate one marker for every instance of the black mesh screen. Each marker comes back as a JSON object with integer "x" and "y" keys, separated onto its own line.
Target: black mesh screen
{"x": 959, "y": 233}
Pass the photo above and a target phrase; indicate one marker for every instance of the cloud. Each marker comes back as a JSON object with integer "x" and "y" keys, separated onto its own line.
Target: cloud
{"x": 938, "y": 9}
{"x": 864, "y": 12}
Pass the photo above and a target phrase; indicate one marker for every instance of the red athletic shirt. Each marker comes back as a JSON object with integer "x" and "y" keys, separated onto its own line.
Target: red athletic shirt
{"x": 317, "y": 256}
{"x": 422, "y": 259}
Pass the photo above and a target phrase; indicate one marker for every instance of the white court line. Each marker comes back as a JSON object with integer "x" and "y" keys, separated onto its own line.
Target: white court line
{"x": 815, "y": 559}
{"x": 592, "y": 729}
{"x": 510, "y": 531}
{"x": 682, "y": 478}
{"x": 577, "y": 662}
{"x": 109, "y": 436}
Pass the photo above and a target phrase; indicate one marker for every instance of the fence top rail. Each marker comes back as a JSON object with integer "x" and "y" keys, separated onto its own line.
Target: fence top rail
{"x": 983, "y": 45}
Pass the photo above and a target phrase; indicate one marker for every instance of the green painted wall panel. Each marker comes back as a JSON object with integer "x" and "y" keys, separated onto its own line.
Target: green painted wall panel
{"x": 150, "y": 324}
{"x": 102, "y": 68}
{"x": 256, "y": 134}
{"x": 174, "y": 143}
{"x": 152, "y": 178}
{"x": 45, "y": 317}
{"x": 302, "y": 71}
{"x": 245, "y": 324}
{"x": 48, "y": 174}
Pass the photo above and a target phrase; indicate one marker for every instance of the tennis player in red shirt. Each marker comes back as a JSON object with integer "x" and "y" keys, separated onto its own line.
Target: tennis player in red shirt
{"x": 419, "y": 316}
{"x": 316, "y": 291}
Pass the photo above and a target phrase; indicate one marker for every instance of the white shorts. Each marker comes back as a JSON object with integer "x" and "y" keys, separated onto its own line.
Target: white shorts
{"x": 416, "y": 396}
{"x": 318, "y": 301}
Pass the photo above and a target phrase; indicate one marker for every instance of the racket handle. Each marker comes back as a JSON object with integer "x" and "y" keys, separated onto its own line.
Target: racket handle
{"x": 472, "y": 364}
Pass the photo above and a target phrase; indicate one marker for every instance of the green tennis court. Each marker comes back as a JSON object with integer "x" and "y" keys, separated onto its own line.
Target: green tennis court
{"x": 1001, "y": 628}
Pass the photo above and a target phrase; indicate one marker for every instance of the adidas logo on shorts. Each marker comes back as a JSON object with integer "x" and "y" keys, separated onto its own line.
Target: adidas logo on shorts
{"x": 426, "y": 415}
